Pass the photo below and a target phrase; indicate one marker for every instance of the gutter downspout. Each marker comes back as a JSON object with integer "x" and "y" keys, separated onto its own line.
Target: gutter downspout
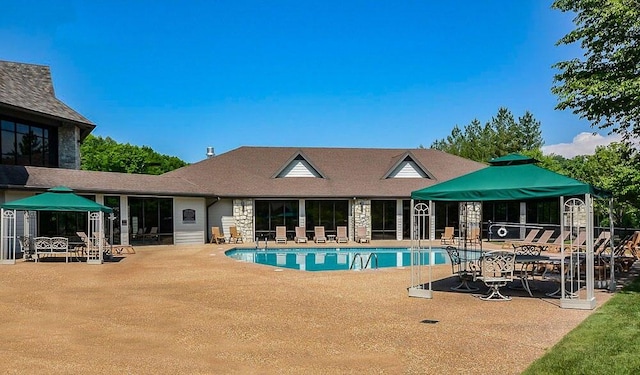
{"x": 206, "y": 229}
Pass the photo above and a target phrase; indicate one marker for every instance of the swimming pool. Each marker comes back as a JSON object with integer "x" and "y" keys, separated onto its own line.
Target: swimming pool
{"x": 333, "y": 259}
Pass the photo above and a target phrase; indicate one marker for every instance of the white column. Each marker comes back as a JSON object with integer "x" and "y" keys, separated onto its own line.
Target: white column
{"x": 302, "y": 215}
{"x": 399, "y": 219}
{"x": 124, "y": 220}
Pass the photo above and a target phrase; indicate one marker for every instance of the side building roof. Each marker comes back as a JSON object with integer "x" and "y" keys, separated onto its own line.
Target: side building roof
{"x": 29, "y": 88}
{"x": 40, "y": 178}
{"x": 344, "y": 172}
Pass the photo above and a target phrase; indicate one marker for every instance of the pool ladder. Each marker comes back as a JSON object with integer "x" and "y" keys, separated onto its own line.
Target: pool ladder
{"x": 266, "y": 242}
{"x": 363, "y": 264}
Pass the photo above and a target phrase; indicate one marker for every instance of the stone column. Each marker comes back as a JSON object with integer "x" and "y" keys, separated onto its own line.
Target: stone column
{"x": 69, "y": 147}
{"x": 243, "y": 216}
{"x": 362, "y": 214}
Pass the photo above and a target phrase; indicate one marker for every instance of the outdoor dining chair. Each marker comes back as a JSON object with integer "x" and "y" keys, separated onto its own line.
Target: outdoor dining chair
{"x": 465, "y": 269}
{"x": 496, "y": 269}
{"x": 216, "y": 236}
{"x": 235, "y": 236}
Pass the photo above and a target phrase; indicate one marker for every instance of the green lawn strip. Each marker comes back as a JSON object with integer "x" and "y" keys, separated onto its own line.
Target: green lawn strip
{"x": 607, "y": 342}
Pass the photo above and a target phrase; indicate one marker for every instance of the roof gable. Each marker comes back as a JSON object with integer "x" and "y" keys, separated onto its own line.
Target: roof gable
{"x": 298, "y": 166}
{"x": 407, "y": 166}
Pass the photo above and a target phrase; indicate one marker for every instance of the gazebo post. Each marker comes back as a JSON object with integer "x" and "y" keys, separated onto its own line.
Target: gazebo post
{"x": 573, "y": 214}
{"x": 8, "y": 236}
{"x": 420, "y": 232}
{"x": 96, "y": 237}
{"x": 612, "y": 282}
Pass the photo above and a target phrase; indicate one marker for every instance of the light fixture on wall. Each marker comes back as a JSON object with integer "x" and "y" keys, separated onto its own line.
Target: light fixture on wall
{"x": 242, "y": 205}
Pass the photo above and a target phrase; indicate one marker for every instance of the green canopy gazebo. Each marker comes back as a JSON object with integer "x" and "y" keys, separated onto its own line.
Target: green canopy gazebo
{"x": 59, "y": 198}
{"x": 516, "y": 177}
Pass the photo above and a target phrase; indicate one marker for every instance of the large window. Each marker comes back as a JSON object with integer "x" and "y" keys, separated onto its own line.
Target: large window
{"x": 28, "y": 144}
{"x": 543, "y": 211}
{"x": 447, "y": 215}
{"x": 270, "y": 214}
{"x": 406, "y": 219}
{"x": 150, "y": 221}
{"x": 63, "y": 223}
{"x": 327, "y": 213}
{"x": 502, "y": 212}
{"x": 383, "y": 220}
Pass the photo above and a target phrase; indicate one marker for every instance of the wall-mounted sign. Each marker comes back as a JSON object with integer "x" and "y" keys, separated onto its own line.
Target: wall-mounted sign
{"x": 188, "y": 216}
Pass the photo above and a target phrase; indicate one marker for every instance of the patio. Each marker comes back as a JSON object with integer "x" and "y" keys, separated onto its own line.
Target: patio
{"x": 190, "y": 309}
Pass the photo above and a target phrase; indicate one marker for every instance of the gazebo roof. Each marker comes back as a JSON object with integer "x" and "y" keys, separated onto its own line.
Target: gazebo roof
{"x": 511, "y": 177}
{"x": 59, "y": 198}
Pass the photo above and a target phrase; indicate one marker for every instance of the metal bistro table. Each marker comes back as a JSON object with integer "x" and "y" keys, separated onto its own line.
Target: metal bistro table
{"x": 525, "y": 261}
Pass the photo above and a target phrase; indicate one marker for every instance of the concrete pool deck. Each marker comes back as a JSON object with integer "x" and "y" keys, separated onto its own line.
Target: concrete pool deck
{"x": 192, "y": 310}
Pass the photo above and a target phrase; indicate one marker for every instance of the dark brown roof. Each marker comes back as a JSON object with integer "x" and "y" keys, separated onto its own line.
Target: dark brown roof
{"x": 29, "y": 87}
{"x": 348, "y": 172}
{"x": 40, "y": 178}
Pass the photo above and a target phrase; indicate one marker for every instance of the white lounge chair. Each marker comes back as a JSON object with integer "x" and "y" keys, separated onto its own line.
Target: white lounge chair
{"x": 361, "y": 235}
{"x": 281, "y": 234}
{"x": 301, "y": 236}
{"x": 341, "y": 235}
{"x": 319, "y": 235}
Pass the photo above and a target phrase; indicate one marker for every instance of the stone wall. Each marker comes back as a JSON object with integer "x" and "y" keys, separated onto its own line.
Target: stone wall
{"x": 69, "y": 147}
{"x": 243, "y": 215}
{"x": 362, "y": 215}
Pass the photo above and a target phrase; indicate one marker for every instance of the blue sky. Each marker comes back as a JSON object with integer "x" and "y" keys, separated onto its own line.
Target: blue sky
{"x": 179, "y": 76}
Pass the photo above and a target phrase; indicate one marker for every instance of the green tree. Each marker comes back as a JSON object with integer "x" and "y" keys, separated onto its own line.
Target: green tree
{"x": 500, "y": 136}
{"x": 107, "y": 155}
{"x": 530, "y": 135}
{"x": 616, "y": 168}
{"x": 603, "y": 86}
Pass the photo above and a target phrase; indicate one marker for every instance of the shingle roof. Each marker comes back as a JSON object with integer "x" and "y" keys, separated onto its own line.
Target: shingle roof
{"x": 349, "y": 172}
{"x": 29, "y": 87}
{"x": 39, "y": 178}
{"x": 250, "y": 171}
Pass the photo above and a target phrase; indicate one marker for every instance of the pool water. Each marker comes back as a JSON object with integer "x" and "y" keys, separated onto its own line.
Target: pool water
{"x": 334, "y": 259}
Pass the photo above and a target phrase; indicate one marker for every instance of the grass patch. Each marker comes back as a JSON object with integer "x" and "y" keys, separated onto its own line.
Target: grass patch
{"x": 607, "y": 342}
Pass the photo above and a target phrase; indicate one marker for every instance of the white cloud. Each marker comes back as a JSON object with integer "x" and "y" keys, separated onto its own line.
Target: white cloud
{"x": 583, "y": 144}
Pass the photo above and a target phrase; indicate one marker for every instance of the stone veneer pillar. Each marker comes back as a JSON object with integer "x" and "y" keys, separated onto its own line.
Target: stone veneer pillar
{"x": 243, "y": 216}
{"x": 69, "y": 147}
{"x": 362, "y": 215}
